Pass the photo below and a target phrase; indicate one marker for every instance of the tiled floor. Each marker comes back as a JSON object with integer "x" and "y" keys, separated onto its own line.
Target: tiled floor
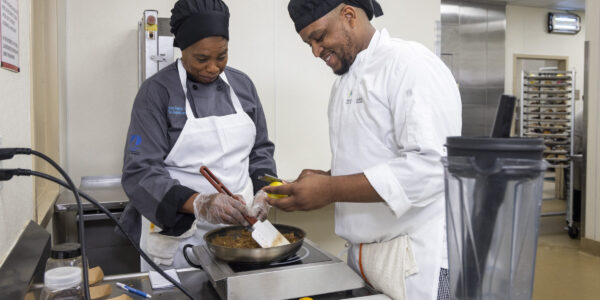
{"x": 562, "y": 271}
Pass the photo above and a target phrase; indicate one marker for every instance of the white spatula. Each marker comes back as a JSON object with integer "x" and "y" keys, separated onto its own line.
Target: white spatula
{"x": 263, "y": 232}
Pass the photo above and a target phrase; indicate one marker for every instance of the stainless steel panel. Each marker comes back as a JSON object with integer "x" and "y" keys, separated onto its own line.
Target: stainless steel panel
{"x": 105, "y": 247}
{"x": 473, "y": 46}
{"x": 496, "y": 36}
{"x": 450, "y": 38}
{"x": 450, "y": 14}
{"x": 474, "y": 121}
{"x": 586, "y": 72}
{"x": 475, "y": 54}
{"x": 25, "y": 262}
{"x": 285, "y": 282}
{"x": 164, "y": 27}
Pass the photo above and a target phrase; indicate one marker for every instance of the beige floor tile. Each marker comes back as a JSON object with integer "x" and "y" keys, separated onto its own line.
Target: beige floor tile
{"x": 563, "y": 272}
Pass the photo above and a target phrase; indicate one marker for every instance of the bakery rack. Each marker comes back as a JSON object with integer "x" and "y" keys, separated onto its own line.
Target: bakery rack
{"x": 547, "y": 111}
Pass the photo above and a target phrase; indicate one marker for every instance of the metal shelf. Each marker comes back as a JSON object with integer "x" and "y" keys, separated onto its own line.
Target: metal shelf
{"x": 556, "y": 152}
{"x": 547, "y": 113}
{"x": 556, "y": 159}
{"x": 552, "y": 121}
{"x": 548, "y": 77}
{"x": 547, "y": 85}
{"x": 548, "y": 105}
{"x": 543, "y": 91}
{"x": 549, "y": 99}
{"x": 548, "y": 92}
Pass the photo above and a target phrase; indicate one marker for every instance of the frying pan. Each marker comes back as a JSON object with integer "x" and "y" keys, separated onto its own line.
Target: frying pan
{"x": 253, "y": 255}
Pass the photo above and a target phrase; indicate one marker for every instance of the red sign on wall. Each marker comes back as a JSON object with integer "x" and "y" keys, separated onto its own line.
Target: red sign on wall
{"x": 9, "y": 34}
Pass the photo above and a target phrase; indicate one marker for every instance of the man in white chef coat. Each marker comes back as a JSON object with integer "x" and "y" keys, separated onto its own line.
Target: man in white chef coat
{"x": 390, "y": 111}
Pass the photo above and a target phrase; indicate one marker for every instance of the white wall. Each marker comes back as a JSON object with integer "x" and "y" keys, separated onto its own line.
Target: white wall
{"x": 526, "y": 33}
{"x": 16, "y": 196}
{"x": 294, "y": 87}
{"x": 592, "y": 208}
{"x": 101, "y": 80}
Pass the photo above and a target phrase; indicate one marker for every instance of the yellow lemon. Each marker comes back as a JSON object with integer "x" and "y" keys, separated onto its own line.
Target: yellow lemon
{"x": 276, "y": 196}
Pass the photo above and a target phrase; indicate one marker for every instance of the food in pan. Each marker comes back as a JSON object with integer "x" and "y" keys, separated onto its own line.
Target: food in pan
{"x": 242, "y": 238}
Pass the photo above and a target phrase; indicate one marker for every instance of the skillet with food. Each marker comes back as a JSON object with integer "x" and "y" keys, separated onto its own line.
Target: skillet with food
{"x": 235, "y": 244}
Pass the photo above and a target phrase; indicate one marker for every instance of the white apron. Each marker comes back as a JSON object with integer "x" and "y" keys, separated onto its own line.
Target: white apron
{"x": 414, "y": 270}
{"x": 223, "y": 144}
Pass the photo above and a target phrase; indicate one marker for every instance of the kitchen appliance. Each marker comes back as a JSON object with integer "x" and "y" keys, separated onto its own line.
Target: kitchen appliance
{"x": 104, "y": 246}
{"x": 253, "y": 255}
{"x": 493, "y": 203}
{"x": 311, "y": 271}
{"x": 155, "y": 45}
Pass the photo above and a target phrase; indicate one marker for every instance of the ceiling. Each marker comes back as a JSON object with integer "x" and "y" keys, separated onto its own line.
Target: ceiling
{"x": 578, "y": 5}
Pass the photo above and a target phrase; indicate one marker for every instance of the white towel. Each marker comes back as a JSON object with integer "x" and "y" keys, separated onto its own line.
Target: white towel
{"x": 386, "y": 265}
{"x": 159, "y": 282}
{"x": 162, "y": 248}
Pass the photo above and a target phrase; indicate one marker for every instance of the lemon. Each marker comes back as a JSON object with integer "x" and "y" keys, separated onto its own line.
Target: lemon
{"x": 276, "y": 196}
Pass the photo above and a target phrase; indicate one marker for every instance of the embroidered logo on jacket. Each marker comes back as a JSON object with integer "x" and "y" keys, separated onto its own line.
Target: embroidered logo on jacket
{"x": 176, "y": 110}
{"x": 134, "y": 142}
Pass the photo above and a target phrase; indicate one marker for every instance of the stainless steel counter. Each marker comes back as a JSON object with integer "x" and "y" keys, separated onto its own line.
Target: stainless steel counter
{"x": 197, "y": 282}
{"x": 106, "y": 248}
{"x": 105, "y": 189}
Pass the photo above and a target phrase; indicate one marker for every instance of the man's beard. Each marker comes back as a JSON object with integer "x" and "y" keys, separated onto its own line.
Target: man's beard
{"x": 346, "y": 59}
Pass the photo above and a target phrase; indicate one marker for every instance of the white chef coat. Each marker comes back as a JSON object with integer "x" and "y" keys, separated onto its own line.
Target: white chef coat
{"x": 389, "y": 117}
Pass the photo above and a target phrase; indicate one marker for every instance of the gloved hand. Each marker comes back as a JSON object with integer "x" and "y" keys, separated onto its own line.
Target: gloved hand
{"x": 220, "y": 209}
{"x": 260, "y": 207}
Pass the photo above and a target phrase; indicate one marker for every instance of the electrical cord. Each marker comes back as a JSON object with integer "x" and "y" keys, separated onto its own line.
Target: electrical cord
{"x": 7, "y": 153}
{"x": 8, "y": 173}
{"x": 187, "y": 259}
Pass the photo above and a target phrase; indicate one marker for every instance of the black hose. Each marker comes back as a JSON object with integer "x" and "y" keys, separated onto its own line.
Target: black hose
{"x": 72, "y": 187}
{"x": 187, "y": 259}
{"x": 133, "y": 243}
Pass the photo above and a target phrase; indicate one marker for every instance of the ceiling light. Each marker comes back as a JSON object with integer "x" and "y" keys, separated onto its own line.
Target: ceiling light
{"x": 564, "y": 23}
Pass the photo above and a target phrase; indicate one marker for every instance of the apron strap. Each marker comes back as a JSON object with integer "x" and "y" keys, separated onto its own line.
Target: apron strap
{"x": 183, "y": 79}
{"x": 234, "y": 98}
{"x": 362, "y": 273}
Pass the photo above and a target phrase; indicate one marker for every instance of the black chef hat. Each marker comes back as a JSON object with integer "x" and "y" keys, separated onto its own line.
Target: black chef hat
{"x": 193, "y": 20}
{"x": 305, "y": 12}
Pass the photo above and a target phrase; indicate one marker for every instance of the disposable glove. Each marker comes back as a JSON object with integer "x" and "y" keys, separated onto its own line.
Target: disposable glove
{"x": 220, "y": 209}
{"x": 260, "y": 207}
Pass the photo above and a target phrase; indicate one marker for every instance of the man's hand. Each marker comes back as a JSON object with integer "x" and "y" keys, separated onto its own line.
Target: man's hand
{"x": 310, "y": 191}
{"x": 313, "y": 191}
{"x": 313, "y": 172}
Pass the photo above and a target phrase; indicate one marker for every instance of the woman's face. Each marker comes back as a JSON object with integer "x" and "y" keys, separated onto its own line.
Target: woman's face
{"x": 206, "y": 59}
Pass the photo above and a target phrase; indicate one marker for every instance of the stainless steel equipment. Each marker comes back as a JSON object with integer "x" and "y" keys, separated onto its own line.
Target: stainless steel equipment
{"x": 155, "y": 45}
{"x": 547, "y": 111}
{"x": 198, "y": 284}
{"x": 311, "y": 271}
{"x": 105, "y": 247}
{"x": 253, "y": 255}
{"x": 472, "y": 46}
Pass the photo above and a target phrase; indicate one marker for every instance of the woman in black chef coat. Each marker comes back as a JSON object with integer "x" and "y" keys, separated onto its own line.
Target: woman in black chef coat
{"x": 195, "y": 112}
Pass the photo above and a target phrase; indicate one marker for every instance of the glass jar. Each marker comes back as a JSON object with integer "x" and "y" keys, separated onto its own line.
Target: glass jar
{"x": 65, "y": 255}
{"x": 63, "y": 283}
